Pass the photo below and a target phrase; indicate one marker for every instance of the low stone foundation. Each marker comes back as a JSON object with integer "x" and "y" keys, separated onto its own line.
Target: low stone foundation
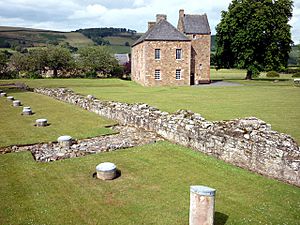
{"x": 248, "y": 143}
{"x": 127, "y": 137}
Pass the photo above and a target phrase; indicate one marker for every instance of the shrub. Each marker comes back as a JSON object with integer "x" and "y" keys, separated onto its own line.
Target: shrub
{"x": 272, "y": 74}
{"x": 91, "y": 74}
{"x": 33, "y": 75}
{"x": 296, "y": 75}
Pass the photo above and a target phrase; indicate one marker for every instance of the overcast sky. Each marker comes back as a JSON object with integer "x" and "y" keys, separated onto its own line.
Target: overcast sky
{"x": 67, "y": 15}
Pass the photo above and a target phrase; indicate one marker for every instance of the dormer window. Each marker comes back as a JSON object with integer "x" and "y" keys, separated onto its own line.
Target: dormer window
{"x": 157, "y": 54}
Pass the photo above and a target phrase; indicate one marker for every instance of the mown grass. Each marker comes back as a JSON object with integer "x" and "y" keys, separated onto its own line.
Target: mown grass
{"x": 276, "y": 103}
{"x": 153, "y": 189}
{"x": 64, "y": 119}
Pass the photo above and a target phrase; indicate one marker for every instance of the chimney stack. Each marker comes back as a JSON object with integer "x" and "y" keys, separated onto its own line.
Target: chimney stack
{"x": 181, "y": 13}
{"x": 160, "y": 17}
{"x": 151, "y": 24}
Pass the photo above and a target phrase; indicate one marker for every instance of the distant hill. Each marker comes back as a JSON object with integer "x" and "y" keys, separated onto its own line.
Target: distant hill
{"x": 118, "y": 39}
{"x": 28, "y": 37}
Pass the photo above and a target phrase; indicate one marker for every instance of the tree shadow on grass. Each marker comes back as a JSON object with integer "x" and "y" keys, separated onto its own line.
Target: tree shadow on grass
{"x": 220, "y": 218}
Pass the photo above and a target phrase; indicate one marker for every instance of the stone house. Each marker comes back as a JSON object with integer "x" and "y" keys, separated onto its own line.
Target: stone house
{"x": 169, "y": 56}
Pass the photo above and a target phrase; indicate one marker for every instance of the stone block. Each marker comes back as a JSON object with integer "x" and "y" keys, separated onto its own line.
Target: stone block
{"x": 3, "y": 94}
{"x": 10, "y": 98}
{"x": 16, "y": 103}
{"x": 41, "y": 122}
{"x": 106, "y": 171}
{"x": 65, "y": 141}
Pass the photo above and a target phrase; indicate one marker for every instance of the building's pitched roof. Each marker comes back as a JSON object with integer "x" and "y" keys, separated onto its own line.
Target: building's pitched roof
{"x": 162, "y": 31}
{"x": 196, "y": 24}
{"x": 122, "y": 58}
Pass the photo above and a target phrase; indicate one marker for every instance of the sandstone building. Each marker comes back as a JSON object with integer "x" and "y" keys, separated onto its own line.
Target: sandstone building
{"x": 166, "y": 56}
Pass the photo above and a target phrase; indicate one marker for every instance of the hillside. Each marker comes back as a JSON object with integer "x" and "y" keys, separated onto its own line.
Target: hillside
{"x": 119, "y": 42}
{"x": 28, "y": 37}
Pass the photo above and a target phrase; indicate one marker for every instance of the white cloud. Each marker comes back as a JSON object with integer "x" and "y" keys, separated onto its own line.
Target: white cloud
{"x": 90, "y": 11}
{"x": 133, "y": 14}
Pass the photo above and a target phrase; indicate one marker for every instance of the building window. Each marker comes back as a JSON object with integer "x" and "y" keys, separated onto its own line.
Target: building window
{"x": 157, "y": 54}
{"x": 178, "y": 53}
{"x": 178, "y": 74}
{"x": 157, "y": 75}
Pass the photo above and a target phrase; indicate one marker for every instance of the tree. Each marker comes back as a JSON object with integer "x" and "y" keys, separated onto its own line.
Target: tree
{"x": 58, "y": 58}
{"x": 19, "y": 62}
{"x": 254, "y": 35}
{"x": 3, "y": 62}
{"x": 96, "y": 58}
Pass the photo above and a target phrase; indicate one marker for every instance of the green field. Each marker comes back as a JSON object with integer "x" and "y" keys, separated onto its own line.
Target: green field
{"x": 276, "y": 103}
{"x": 154, "y": 184}
{"x": 153, "y": 189}
{"x": 64, "y": 119}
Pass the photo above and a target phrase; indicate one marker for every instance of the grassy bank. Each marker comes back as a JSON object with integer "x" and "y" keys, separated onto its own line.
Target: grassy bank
{"x": 153, "y": 189}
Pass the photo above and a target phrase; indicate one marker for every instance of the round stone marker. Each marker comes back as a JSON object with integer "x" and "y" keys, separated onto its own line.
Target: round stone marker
{"x": 106, "y": 171}
{"x": 202, "y": 205}
{"x": 11, "y": 98}
{"x": 41, "y": 122}
{"x": 3, "y": 94}
{"x": 26, "y": 111}
{"x": 16, "y": 103}
{"x": 65, "y": 141}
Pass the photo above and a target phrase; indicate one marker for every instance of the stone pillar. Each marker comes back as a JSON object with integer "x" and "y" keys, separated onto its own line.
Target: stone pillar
{"x": 10, "y": 98}
{"x": 106, "y": 171}
{"x": 41, "y": 122}
{"x": 65, "y": 141}
{"x": 202, "y": 205}
{"x": 3, "y": 94}
{"x": 16, "y": 103}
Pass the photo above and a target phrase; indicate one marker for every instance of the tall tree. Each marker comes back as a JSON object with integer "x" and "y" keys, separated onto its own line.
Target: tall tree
{"x": 254, "y": 35}
{"x": 96, "y": 59}
{"x": 58, "y": 58}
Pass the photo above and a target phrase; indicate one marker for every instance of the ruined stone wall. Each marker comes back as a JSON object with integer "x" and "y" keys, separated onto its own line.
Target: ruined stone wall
{"x": 200, "y": 60}
{"x": 248, "y": 143}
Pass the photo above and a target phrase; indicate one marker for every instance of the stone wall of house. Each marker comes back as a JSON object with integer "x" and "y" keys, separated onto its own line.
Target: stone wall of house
{"x": 138, "y": 63}
{"x": 144, "y": 55}
{"x": 248, "y": 143}
{"x": 200, "y": 59}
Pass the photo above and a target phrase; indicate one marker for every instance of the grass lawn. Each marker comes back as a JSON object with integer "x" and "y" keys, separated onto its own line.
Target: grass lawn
{"x": 276, "y": 103}
{"x": 64, "y": 119}
{"x": 153, "y": 189}
{"x": 155, "y": 180}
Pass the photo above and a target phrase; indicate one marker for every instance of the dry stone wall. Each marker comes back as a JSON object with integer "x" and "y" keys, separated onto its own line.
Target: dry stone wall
{"x": 248, "y": 143}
